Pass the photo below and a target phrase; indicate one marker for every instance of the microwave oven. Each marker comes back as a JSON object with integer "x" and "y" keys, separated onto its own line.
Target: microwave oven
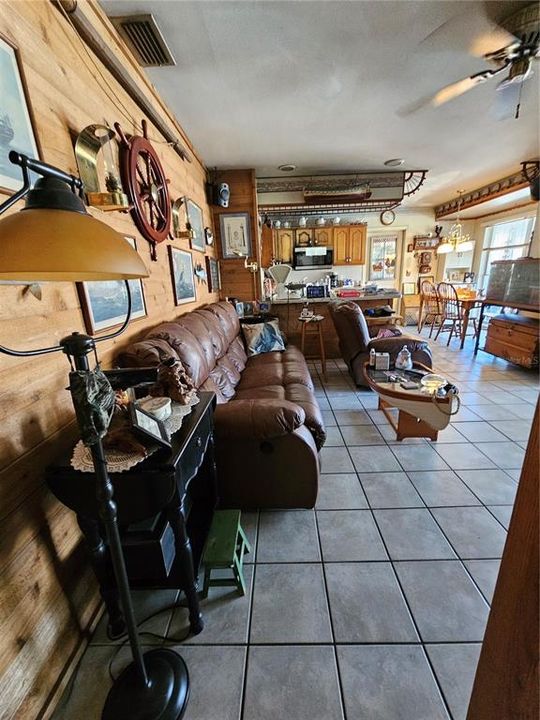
{"x": 313, "y": 257}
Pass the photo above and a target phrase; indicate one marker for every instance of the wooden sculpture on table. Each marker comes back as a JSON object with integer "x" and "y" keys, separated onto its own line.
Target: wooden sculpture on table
{"x": 174, "y": 382}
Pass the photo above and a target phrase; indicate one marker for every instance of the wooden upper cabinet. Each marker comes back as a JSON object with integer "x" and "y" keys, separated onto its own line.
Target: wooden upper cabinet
{"x": 357, "y": 244}
{"x": 323, "y": 236}
{"x": 341, "y": 245}
{"x": 304, "y": 236}
{"x": 284, "y": 246}
{"x": 267, "y": 246}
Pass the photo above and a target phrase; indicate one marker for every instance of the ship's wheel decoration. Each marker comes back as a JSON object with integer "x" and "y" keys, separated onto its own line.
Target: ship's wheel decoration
{"x": 144, "y": 179}
{"x": 413, "y": 181}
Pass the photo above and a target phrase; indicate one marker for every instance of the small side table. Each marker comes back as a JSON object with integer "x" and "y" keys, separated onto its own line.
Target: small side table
{"x": 315, "y": 323}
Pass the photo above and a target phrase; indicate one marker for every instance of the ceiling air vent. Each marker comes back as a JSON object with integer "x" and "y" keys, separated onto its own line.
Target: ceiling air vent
{"x": 144, "y": 39}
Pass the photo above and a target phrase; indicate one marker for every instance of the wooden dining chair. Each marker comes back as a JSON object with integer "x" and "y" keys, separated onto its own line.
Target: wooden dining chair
{"x": 451, "y": 320}
{"x": 430, "y": 310}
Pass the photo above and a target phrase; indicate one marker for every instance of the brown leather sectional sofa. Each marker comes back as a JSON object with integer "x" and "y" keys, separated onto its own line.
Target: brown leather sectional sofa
{"x": 268, "y": 425}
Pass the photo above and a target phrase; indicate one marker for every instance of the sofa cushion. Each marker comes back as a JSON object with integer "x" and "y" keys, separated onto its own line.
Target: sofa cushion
{"x": 277, "y": 368}
{"x": 228, "y": 319}
{"x": 295, "y": 393}
{"x": 187, "y": 348}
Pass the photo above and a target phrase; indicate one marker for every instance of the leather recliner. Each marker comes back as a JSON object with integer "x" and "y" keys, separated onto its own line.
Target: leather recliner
{"x": 268, "y": 425}
{"x": 355, "y": 342}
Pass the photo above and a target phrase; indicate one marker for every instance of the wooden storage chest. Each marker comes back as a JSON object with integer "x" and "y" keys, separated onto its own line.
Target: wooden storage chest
{"x": 514, "y": 338}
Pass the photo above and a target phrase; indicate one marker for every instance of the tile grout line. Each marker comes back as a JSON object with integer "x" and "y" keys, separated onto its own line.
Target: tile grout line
{"x": 330, "y": 618}
{"x": 255, "y": 551}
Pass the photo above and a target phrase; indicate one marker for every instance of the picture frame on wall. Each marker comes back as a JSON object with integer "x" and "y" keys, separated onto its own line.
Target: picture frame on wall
{"x": 183, "y": 279}
{"x": 16, "y": 128}
{"x": 213, "y": 274}
{"x": 195, "y": 224}
{"x": 409, "y": 288}
{"x": 235, "y": 235}
{"x": 429, "y": 278}
{"x": 104, "y": 302}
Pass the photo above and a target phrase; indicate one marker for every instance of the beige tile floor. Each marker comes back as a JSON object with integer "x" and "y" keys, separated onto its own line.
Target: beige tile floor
{"x": 374, "y": 604}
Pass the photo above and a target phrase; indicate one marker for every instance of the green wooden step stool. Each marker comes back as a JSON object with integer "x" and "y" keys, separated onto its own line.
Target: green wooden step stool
{"x": 225, "y": 547}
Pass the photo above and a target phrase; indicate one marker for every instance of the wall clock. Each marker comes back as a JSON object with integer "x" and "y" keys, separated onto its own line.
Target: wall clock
{"x": 387, "y": 217}
{"x": 144, "y": 179}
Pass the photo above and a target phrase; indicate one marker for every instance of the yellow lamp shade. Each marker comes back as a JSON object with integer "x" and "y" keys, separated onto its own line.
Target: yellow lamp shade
{"x": 48, "y": 244}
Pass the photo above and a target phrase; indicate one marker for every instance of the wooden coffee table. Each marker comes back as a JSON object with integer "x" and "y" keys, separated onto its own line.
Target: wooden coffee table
{"x": 419, "y": 416}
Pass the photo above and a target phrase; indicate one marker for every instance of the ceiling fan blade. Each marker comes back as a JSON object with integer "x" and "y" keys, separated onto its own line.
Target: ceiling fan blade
{"x": 506, "y": 101}
{"x": 454, "y": 90}
{"x": 491, "y": 41}
{"x": 473, "y": 29}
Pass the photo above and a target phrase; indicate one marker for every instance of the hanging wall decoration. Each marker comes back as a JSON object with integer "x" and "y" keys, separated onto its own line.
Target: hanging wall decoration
{"x": 212, "y": 271}
{"x": 94, "y": 147}
{"x": 16, "y": 132}
{"x": 144, "y": 179}
{"x": 195, "y": 224}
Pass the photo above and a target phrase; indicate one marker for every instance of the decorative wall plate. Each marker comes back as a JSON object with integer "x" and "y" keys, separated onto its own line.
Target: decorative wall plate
{"x": 143, "y": 177}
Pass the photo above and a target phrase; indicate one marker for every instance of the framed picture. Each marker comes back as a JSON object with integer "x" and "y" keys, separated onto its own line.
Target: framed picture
{"x": 410, "y": 248}
{"x": 104, "y": 302}
{"x": 235, "y": 235}
{"x": 182, "y": 275}
{"x": 213, "y": 274}
{"x": 429, "y": 278}
{"x": 425, "y": 258}
{"x": 147, "y": 427}
{"x": 409, "y": 288}
{"x": 16, "y": 131}
{"x": 424, "y": 242}
{"x": 195, "y": 224}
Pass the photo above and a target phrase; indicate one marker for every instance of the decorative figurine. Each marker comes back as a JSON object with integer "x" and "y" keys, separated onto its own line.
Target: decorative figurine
{"x": 174, "y": 382}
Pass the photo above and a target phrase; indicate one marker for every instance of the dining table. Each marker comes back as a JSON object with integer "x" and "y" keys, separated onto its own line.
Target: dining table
{"x": 468, "y": 300}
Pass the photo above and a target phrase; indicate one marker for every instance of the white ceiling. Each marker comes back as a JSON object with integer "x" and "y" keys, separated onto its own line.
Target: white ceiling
{"x": 321, "y": 85}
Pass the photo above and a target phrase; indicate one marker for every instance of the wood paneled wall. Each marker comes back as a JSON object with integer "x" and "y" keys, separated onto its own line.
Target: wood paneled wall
{"x": 48, "y": 595}
{"x": 236, "y": 281}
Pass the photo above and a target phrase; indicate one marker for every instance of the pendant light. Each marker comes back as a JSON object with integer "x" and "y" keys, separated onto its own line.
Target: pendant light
{"x": 456, "y": 240}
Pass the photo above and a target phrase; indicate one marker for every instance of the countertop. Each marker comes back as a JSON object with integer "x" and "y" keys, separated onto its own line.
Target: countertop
{"x": 303, "y": 300}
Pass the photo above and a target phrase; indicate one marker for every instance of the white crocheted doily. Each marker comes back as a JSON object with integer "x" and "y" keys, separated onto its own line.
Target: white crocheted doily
{"x": 119, "y": 461}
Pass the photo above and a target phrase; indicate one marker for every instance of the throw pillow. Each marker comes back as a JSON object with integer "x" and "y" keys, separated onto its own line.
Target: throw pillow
{"x": 263, "y": 338}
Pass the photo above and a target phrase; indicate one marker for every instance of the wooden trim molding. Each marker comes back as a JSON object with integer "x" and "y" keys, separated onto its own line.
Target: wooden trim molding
{"x": 506, "y": 684}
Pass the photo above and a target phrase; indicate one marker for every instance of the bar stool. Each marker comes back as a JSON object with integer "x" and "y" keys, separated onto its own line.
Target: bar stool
{"x": 315, "y": 323}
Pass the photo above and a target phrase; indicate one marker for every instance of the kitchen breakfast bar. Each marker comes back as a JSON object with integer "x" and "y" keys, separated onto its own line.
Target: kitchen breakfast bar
{"x": 288, "y": 312}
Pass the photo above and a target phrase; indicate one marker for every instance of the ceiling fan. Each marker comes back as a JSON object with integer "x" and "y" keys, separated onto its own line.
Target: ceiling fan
{"x": 510, "y": 48}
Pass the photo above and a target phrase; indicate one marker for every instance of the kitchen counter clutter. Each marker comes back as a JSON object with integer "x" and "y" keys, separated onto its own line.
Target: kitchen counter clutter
{"x": 287, "y": 312}
{"x": 377, "y": 298}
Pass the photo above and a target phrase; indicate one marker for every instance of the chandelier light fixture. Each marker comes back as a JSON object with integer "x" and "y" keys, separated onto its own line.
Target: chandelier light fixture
{"x": 456, "y": 240}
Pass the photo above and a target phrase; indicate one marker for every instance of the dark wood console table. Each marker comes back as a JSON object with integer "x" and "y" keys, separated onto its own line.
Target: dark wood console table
{"x": 165, "y": 509}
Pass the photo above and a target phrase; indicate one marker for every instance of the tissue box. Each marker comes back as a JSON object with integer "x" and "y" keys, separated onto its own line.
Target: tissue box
{"x": 382, "y": 361}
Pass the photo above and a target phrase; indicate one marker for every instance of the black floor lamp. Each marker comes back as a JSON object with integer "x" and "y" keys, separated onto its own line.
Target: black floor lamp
{"x": 54, "y": 238}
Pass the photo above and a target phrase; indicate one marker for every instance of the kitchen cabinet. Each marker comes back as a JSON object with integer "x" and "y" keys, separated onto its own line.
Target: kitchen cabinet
{"x": 304, "y": 236}
{"x": 324, "y": 236}
{"x": 284, "y": 244}
{"x": 357, "y": 244}
{"x": 350, "y": 245}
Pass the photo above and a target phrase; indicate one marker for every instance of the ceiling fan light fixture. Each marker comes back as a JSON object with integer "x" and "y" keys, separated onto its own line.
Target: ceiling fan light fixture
{"x": 394, "y": 162}
{"x": 520, "y": 70}
{"x": 289, "y": 167}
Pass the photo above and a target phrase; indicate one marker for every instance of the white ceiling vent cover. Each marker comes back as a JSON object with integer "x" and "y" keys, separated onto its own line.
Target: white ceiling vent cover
{"x": 144, "y": 38}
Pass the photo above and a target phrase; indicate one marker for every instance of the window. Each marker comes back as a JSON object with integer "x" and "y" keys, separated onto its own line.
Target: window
{"x": 382, "y": 263}
{"x": 504, "y": 241}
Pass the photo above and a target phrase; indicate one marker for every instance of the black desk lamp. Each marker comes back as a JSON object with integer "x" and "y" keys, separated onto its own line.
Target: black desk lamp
{"x": 54, "y": 238}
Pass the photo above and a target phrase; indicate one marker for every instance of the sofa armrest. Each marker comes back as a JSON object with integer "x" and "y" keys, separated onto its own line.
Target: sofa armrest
{"x": 257, "y": 419}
